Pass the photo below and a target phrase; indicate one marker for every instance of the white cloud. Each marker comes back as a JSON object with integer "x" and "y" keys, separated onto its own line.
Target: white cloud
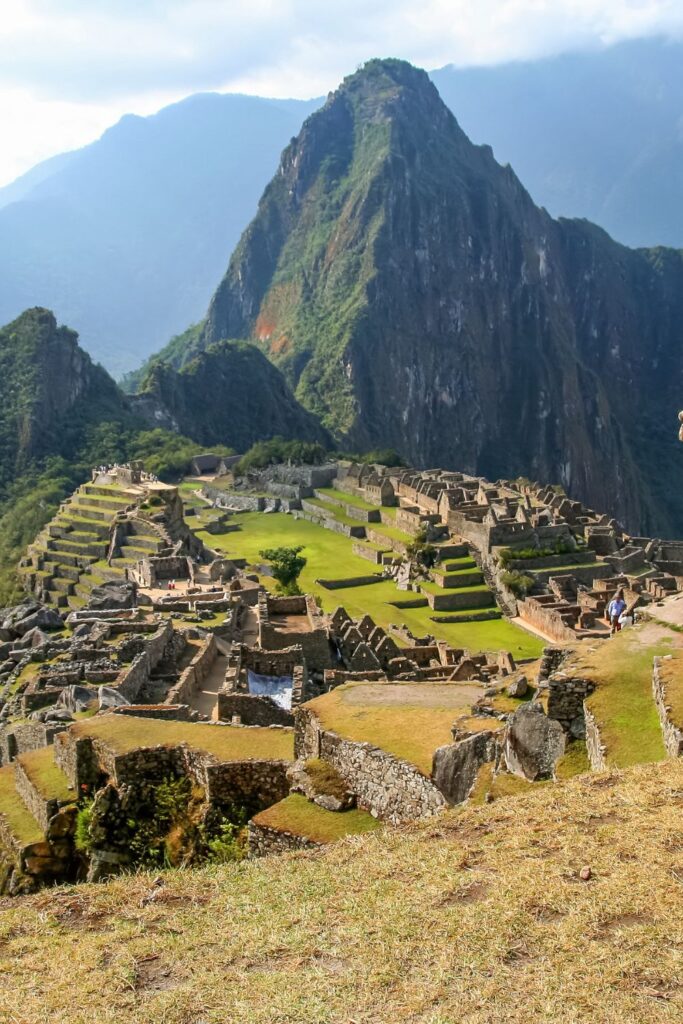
{"x": 68, "y": 68}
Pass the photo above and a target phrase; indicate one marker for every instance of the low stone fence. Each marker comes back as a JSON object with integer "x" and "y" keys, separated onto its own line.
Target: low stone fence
{"x": 391, "y": 789}
{"x": 672, "y": 733}
{"x": 252, "y": 709}
{"x": 566, "y": 701}
{"x": 264, "y": 841}
{"x": 352, "y": 581}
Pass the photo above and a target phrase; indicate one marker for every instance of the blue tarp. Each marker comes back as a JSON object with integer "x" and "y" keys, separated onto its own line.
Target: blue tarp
{"x": 278, "y": 688}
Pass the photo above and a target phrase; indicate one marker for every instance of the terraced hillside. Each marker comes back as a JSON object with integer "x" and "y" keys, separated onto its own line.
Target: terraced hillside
{"x": 40, "y": 791}
{"x": 75, "y": 552}
{"x": 332, "y": 554}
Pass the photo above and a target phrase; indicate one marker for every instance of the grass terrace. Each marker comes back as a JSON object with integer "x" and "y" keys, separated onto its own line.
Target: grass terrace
{"x": 299, "y": 816}
{"x": 348, "y": 499}
{"x": 408, "y": 720}
{"x": 123, "y": 733}
{"x": 329, "y": 556}
{"x": 622, "y": 704}
{"x": 21, "y": 823}
{"x": 49, "y": 780}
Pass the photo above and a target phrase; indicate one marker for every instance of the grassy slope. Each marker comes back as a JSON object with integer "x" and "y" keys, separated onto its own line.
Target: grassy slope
{"x": 622, "y": 703}
{"x": 330, "y": 556}
{"x": 477, "y": 916}
{"x": 298, "y": 815}
{"x": 125, "y": 733}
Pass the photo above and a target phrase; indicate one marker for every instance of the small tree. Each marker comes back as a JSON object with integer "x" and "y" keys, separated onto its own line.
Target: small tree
{"x": 420, "y": 550}
{"x": 287, "y": 564}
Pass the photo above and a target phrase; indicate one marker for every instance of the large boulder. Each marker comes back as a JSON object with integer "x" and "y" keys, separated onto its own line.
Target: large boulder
{"x": 77, "y": 698}
{"x": 41, "y": 618}
{"x": 534, "y": 743}
{"x": 108, "y": 697}
{"x": 457, "y": 765}
{"x": 112, "y": 596}
{"x": 519, "y": 687}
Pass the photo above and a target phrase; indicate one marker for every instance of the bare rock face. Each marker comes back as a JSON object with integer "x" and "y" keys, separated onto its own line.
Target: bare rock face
{"x": 457, "y": 764}
{"x": 534, "y": 743}
{"x": 112, "y": 595}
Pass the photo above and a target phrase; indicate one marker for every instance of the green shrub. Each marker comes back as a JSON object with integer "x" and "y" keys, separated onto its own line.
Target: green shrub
{"x": 287, "y": 565}
{"x": 519, "y": 583}
{"x": 277, "y": 451}
{"x": 83, "y": 838}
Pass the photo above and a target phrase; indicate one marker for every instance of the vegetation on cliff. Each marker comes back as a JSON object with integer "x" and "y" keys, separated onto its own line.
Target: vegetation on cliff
{"x": 415, "y": 297}
{"x": 229, "y": 394}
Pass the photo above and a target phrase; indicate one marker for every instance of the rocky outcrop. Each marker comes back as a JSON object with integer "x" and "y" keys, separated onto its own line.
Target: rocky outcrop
{"x": 534, "y": 743}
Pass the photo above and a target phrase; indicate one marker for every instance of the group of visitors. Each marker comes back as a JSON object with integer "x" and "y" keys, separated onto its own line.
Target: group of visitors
{"x": 619, "y": 615}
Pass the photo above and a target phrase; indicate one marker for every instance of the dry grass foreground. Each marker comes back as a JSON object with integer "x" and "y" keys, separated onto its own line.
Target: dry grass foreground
{"x": 478, "y": 916}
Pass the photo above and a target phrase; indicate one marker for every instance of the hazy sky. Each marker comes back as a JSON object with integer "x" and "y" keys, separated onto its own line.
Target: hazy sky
{"x": 70, "y": 68}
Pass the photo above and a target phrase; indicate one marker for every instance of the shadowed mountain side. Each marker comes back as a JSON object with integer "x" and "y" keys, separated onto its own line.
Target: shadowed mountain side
{"x": 230, "y": 394}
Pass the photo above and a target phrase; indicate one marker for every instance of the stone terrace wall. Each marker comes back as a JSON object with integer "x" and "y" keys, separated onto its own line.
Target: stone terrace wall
{"x": 253, "y": 709}
{"x": 264, "y": 841}
{"x": 546, "y": 619}
{"x": 566, "y": 697}
{"x": 391, "y": 789}
{"x": 672, "y": 734}
{"x": 255, "y": 783}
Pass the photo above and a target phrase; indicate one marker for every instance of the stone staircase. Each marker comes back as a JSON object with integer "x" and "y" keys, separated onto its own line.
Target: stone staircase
{"x": 70, "y": 555}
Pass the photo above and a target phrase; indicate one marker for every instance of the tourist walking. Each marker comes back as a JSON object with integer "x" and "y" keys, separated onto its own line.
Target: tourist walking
{"x": 615, "y": 610}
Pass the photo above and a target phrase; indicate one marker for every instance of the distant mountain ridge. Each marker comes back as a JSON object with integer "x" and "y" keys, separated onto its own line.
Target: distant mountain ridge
{"x": 415, "y": 297}
{"x": 127, "y": 238}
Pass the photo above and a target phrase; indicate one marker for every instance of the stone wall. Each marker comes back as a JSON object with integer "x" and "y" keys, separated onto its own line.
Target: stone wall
{"x": 264, "y": 841}
{"x": 252, "y": 709}
{"x": 547, "y": 619}
{"x": 351, "y": 581}
{"x": 255, "y": 784}
{"x": 594, "y": 746}
{"x": 20, "y": 738}
{"x": 391, "y": 789}
{"x": 671, "y": 733}
{"x": 42, "y": 808}
{"x": 566, "y": 701}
